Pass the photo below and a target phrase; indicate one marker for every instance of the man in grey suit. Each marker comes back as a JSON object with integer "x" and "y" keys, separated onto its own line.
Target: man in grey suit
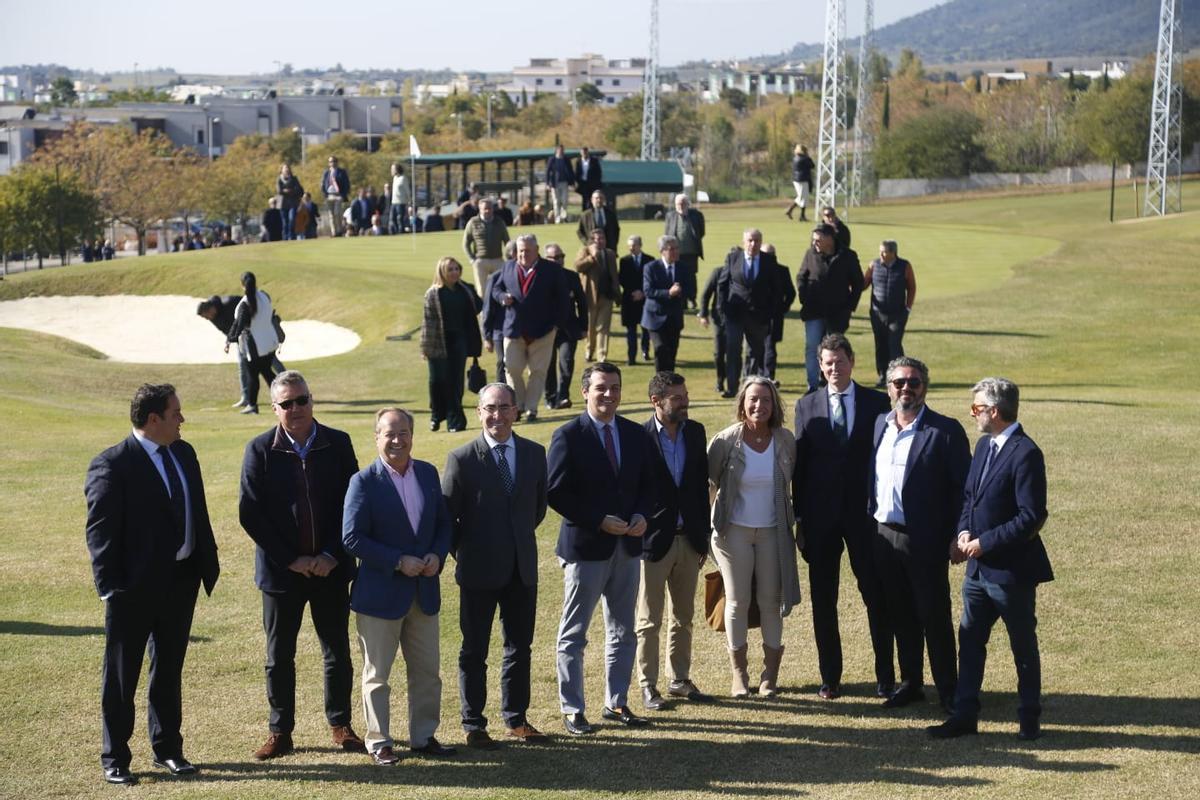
{"x": 495, "y": 490}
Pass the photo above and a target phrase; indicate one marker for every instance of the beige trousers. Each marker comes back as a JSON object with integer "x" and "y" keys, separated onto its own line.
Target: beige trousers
{"x": 416, "y": 635}
{"x": 675, "y": 575}
{"x": 535, "y": 355}
{"x": 484, "y": 267}
{"x": 747, "y": 555}
{"x": 599, "y": 322}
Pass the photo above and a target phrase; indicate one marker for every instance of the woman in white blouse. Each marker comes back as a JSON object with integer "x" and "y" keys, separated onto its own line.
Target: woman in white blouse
{"x": 750, "y": 470}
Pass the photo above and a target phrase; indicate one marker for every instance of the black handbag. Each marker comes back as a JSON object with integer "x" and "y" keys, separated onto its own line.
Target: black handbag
{"x": 476, "y": 377}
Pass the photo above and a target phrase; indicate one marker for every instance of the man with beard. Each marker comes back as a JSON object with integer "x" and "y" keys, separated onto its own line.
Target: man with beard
{"x": 920, "y": 467}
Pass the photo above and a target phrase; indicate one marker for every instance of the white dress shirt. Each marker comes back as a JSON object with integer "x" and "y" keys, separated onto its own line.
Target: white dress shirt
{"x": 151, "y": 448}
{"x": 891, "y": 460}
{"x": 847, "y": 405}
{"x": 510, "y": 453}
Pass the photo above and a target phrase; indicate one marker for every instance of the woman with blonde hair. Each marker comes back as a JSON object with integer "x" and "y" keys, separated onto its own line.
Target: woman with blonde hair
{"x": 449, "y": 336}
{"x": 750, "y": 471}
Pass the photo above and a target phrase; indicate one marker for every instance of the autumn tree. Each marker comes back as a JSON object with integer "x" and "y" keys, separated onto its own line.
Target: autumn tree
{"x": 47, "y": 209}
{"x": 236, "y": 186}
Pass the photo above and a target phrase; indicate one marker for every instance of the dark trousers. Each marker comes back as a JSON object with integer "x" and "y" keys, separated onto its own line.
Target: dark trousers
{"x": 328, "y": 601}
{"x": 446, "y": 378}
{"x": 824, "y": 577}
{"x": 983, "y": 603}
{"x": 888, "y": 327}
{"x": 917, "y": 590}
{"x": 631, "y": 342}
{"x": 666, "y": 345}
{"x": 756, "y": 332}
{"x": 260, "y": 366}
{"x": 498, "y": 348}
{"x": 477, "y": 609}
{"x": 720, "y": 346}
{"x": 561, "y": 370}
{"x": 161, "y": 617}
{"x": 688, "y": 265}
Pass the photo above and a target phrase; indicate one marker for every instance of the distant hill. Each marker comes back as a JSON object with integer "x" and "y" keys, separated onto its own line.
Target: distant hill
{"x": 987, "y": 30}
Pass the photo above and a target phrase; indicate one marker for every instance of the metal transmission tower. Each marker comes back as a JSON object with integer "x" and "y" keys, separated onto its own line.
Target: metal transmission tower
{"x": 830, "y": 173}
{"x": 1162, "y": 165}
{"x": 650, "y": 92}
{"x": 861, "y": 173}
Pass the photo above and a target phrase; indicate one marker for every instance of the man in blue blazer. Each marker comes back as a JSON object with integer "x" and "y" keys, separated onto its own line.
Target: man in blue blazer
{"x": 747, "y": 296}
{"x": 834, "y": 426}
{"x": 152, "y": 546}
{"x": 1004, "y": 508}
{"x": 666, "y": 286}
{"x": 920, "y": 466}
{"x": 397, "y": 526}
{"x": 600, "y": 478}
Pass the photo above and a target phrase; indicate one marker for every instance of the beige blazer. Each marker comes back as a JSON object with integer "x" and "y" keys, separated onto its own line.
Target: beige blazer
{"x": 726, "y": 464}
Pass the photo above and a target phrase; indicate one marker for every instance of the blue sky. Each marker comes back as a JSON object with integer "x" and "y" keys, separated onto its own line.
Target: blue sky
{"x": 237, "y": 36}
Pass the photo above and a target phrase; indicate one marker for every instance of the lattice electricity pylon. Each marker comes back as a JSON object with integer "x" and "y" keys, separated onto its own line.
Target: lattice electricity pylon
{"x": 650, "y": 92}
{"x": 1163, "y": 178}
{"x": 832, "y": 108}
{"x": 862, "y": 172}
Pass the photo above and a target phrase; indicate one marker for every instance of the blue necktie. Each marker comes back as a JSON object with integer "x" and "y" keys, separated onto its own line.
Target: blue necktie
{"x": 178, "y": 508}
{"x": 987, "y": 463}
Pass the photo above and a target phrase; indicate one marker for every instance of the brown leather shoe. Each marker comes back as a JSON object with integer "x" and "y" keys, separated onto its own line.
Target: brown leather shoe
{"x": 345, "y": 738}
{"x": 528, "y": 733}
{"x": 481, "y": 740}
{"x": 385, "y": 757}
{"x": 276, "y": 745}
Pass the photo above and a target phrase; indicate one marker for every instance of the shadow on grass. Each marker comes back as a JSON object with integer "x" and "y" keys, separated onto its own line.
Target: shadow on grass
{"x": 18, "y": 627}
{"x": 326, "y": 401}
{"x": 963, "y": 332}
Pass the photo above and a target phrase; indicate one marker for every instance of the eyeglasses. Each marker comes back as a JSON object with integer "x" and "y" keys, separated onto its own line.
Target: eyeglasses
{"x": 979, "y": 408}
{"x": 900, "y": 383}
{"x": 301, "y": 401}
{"x": 504, "y": 409}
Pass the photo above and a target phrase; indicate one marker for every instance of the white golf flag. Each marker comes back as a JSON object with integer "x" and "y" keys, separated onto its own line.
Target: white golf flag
{"x": 414, "y": 149}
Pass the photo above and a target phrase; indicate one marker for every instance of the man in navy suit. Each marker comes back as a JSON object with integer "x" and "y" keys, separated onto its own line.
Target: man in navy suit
{"x": 589, "y": 176}
{"x": 396, "y": 524}
{"x": 1004, "y": 508}
{"x": 676, "y": 542}
{"x": 834, "y": 426}
{"x": 666, "y": 286}
{"x": 600, "y": 478}
{"x": 920, "y": 466}
{"x": 151, "y": 546}
{"x": 747, "y": 294}
{"x": 532, "y": 291}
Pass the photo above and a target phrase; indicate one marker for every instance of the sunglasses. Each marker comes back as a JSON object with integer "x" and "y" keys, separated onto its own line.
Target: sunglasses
{"x": 900, "y": 383}
{"x": 301, "y": 401}
{"x": 977, "y": 409}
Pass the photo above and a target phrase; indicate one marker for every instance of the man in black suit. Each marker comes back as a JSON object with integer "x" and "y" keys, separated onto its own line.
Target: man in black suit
{"x": 747, "y": 295}
{"x": 1004, "y": 509}
{"x": 601, "y": 480}
{"x": 833, "y": 458}
{"x": 294, "y": 479}
{"x": 151, "y": 546}
{"x": 666, "y": 285}
{"x": 787, "y": 296}
{"x": 572, "y": 328}
{"x": 589, "y": 176}
{"x": 676, "y": 542}
{"x": 495, "y": 490}
{"x": 598, "y": 216}
{"x": 633, "y": 299}
{"x": 710, "y": 311}
{"x": 920, "y": 467}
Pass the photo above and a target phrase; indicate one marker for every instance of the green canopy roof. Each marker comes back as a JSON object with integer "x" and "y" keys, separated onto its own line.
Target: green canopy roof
{"x": 503, "y": 156}
{"x": 627, "y": 177}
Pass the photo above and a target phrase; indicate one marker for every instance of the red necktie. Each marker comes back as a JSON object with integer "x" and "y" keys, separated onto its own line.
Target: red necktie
{"x": 611, "y": 448}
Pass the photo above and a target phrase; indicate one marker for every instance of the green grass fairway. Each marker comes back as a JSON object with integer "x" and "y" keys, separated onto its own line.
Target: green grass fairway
{"x": 1098, "y": 323}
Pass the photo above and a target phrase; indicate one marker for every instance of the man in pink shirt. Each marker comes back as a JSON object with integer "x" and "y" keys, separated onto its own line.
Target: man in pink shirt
{"x": 396, "y": 525}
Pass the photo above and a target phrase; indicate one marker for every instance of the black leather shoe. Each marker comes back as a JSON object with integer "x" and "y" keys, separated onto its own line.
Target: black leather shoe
{"x": 624, "y": 716}
{"x": 947, "y": 703}
{"x": 829, "y": 691}
{"x": 119, "y": 775}
{"x": 1030, "y": 731}
{"x": 903, "y": 696}
{"x": 688, "y": 691}
{"x": 176, "y": 766}
{"x": 434, "y": 748}
{"x": 727, "y": 394}
{"x": 884, "y": 690}
{"x": 953, "y": 728}
{"x": 577, "y": 724}
{"x": 434, "y": 424}
{"x": 652, "y": 700}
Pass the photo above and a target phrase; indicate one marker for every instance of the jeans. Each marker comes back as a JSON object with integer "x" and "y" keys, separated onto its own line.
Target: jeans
{"x": 814, "y": 332}
{"x": 289, "y": 223}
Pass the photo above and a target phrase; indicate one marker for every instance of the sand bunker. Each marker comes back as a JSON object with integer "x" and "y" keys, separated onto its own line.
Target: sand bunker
{"x": 161, "y": 329}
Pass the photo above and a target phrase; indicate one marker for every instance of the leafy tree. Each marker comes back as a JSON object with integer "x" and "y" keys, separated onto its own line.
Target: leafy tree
{"x": 1115, "y": 125}
{"x": 879, "y": 68}
{"x": 910, "y": 65}
{"x": 62, "y": 92}
{"x": 47, "y": 209}
{"x": 236, "y": 186}
{"x": 941, "y": 143}
{"x": 735, "y": 98}
{"x": 588, "y": 95}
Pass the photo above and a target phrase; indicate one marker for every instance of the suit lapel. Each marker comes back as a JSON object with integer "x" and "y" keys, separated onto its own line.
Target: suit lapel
{"x": 920, "y": 441}
{"x": 1001, "y": 458}
{"x": 394, "y": 498}
{"x": 150, "y": 475}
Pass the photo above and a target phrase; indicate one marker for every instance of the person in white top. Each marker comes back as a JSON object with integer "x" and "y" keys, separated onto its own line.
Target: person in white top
{"x": 750, "y": 466}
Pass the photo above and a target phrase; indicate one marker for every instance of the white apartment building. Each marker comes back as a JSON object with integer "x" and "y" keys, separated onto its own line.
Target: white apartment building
{"x": 616, "y": 78}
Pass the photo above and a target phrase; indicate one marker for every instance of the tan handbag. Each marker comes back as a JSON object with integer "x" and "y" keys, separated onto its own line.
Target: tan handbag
{"x": 714, "y": 602}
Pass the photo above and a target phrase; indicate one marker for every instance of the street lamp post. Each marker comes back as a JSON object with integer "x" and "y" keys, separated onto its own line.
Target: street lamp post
{"x": 210, "y": 121}
{"x": 370, "y": 113}
{"x": 489, "y": 114}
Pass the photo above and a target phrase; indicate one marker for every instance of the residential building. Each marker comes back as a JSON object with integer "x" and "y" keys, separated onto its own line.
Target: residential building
{"x": 616, "y": 79}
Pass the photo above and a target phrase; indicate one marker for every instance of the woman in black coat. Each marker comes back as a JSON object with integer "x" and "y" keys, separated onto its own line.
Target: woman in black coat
{"x": 449, "y": 336}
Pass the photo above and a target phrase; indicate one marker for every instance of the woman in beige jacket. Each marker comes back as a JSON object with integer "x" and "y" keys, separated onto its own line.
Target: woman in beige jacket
{"x": 750, "y": 471}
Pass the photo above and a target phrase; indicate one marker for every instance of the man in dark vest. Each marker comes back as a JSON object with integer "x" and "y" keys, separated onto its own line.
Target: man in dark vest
{"x": 893, "y": 292}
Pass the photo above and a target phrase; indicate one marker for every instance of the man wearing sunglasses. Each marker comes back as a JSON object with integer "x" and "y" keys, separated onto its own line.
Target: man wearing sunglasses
{"x": 920, "y": 463}
{"x": 294, "y": 479}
